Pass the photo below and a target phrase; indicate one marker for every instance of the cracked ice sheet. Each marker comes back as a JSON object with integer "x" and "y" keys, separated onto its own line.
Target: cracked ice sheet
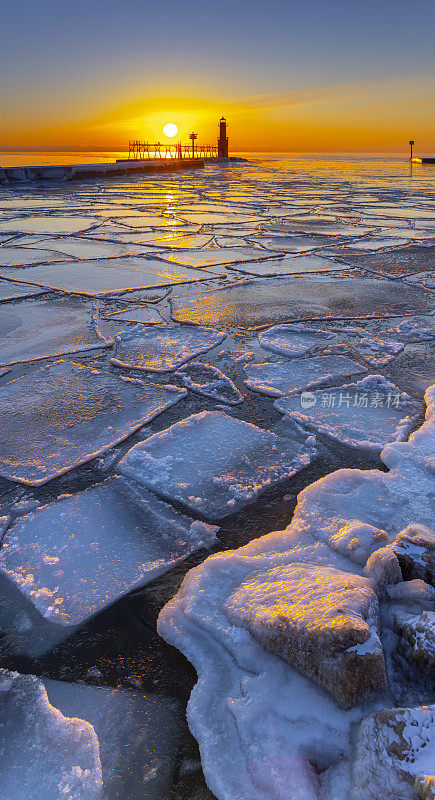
{"x": 13, "y": 291}
{"x": 48, "y": 224}
{"x": 143, "y": 314}
{"x": 17, "y": 256}
{"x": 291, "y": 265}
{"x": 373, "y": 349}
{"x": 107, "y": 276}
{"x": 288, "y": 377}
{"x": 81, "y": 553}
{"x": 256, "y": 720}
{"x": 163, "y": 348}
{"x": 218, "y": 255}
{"x": 137, "y": 736}
{"x": 45, "y": 755}
{"x": 403, "y": 261}
{"x": 297, "y": 244}
{"x": 81, "y": 248}
{"x": 389, "y": 416}
{"x": 210, "y": 382}
{"x": 259, "y": 303}
{"x": 66, "y": 414}
{"x": 293, "y": 340}
{"x": 238, "y": 461}
{"x": 25, "y": 334}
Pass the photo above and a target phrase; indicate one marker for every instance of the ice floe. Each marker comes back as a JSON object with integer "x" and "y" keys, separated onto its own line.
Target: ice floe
{"x": 288, "y": 377}
{"x": 239, "y": 460}
{"x": 45, "y": 755}
{"x": 293, "y": 340}
{"x": 66, "y": 414}
{"x": 137, "y": 735}
{"x": 13, "y": 291}
{"x": 217, "y": 255}
{"x": 84, "y": 248}
{"x": 162, "y": 348}
{"x": 369, "y": 413}
{"x": 48, "y": 224}
{"x": 26, "y": 336}
{"x": 290, "y": 265}
{"x": 77, "y": 555}
{"x": 374, "y": 349}
{"x": 412, "y": 330}
{"x": 145, "y": 314}
{"x": 210, "y": 382}
{"x": 262, "y": 302}
{"x": 106, "y": 276}
{"x": 265, "y": 731}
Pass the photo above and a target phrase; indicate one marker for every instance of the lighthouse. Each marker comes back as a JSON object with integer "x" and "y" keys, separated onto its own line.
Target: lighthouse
{"x": 223, "y": 139}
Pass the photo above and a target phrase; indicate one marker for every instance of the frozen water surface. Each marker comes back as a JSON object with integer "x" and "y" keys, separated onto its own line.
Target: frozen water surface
{"x": 137, "y": 736}
{"x": 45, "y": 755}
{"x": 265, "y": 731}
{"x": 400, "y": 261}
{"x": 293, "y": 340}
{"x": 13, "y": 291}
{"x": 17, "y": 256}
{"x": 106, "y": 276}
{"x": 144, "y": 314}
{"x": 218, "y": 255}
{"x": 77, "y": 555}
{"x": 48, "y": 224}
{"x": 164, "y": 348}
{"x": 287, "y": 377}
{"x": 79, "y": 247}
{"x": 369, "y": 413}
{"x": 66, "y": 414}
{"x": 261, "y": 302}
{"x": 290, "y": 265}
{"x": 25, "y": 334}
{"x": 295, "y": 244}
{"x": 210, "y": 382}
{"x": 238, "y": 461}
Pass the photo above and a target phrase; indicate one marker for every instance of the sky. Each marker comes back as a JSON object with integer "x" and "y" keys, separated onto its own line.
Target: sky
{"x": 305, "y": 76}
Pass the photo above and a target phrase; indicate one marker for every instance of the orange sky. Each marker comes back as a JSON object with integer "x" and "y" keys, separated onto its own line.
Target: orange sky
{"x": 289, "y": 76}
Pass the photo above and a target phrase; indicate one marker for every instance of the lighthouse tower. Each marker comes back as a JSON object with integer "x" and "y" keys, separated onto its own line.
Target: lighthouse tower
{"x": 223, "y": 139}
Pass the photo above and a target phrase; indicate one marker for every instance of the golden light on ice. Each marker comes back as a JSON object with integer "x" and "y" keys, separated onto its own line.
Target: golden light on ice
{"x": 170, "y": 129}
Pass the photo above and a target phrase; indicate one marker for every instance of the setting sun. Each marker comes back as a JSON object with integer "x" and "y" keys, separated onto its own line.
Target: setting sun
{"x": 170, "y": 129}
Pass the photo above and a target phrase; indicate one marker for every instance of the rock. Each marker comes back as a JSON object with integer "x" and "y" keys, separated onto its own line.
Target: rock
{"x": 425, "y": 787}
{"x": 320, "y": 620}
{"x": 393, "y": 747}
{"x": 415, "y": 549}
{"x": 417, "y": 639}
{"x": 415, "y": 594}
{"x": 383, "y": 568}
{"x": 358, "y": 540}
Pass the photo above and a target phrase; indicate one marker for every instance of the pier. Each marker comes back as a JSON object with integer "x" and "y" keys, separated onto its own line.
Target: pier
{"x": 143, "y": 157}
{"x": 71, "y": 172}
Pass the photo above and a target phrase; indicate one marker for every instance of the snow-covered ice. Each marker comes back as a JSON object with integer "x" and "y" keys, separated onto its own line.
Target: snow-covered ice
{"x": 66, "y": 414}
{"x": 107, "y": 275}
{"x": 44, "y": 754}
{"x": 77, "y": 555}
{"x": 393, "y": 747}
{"x": 264, "y": 731}
{"x": 278, "y": 378}
{"x": 293, "y": 340}
{"x": 377, "y": 351}
{"x": 26, "y": 336}
{"x": 262, "y": 302}
{"x": 162, "y": 348}
{"x": 239, "y": 460}
{"x": 413, "y": 330}
{"x": 210, "y": 382}
{"x": 137, "y": 736}
{"x": 369, "y": 413}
